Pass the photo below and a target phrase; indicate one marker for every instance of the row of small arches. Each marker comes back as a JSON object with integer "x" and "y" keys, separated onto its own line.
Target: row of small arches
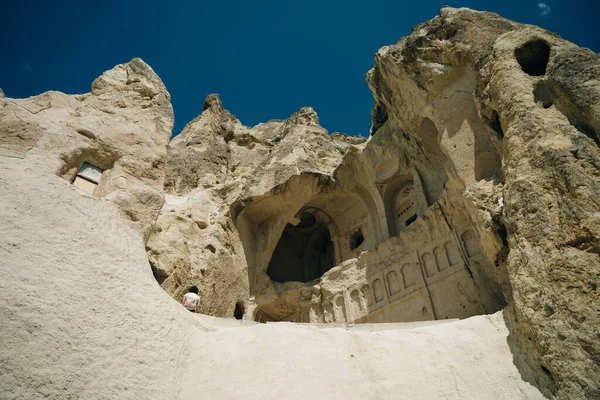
{"x": 443, "y": 257}
{"x": 372, "y": 294}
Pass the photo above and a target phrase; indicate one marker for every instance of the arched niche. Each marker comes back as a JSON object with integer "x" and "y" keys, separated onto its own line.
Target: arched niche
{"x": 431, "y": 170}
{"x": 305, "y": 250}
{"x": 346, "y": 214}
{"x": 404, "y": 200}
{"x": 375, "y": 209}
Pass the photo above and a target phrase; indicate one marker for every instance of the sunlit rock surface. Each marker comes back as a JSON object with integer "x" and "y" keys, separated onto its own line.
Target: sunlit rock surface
{"x": 477, "y": 192}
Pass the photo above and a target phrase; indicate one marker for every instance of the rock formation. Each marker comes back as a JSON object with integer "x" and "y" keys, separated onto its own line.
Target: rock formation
{"x": 122, "y": 128}
{"x": 478, "y": 191}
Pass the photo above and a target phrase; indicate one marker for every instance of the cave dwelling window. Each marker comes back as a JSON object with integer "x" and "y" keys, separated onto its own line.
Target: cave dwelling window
{"x": 88, "y": 177}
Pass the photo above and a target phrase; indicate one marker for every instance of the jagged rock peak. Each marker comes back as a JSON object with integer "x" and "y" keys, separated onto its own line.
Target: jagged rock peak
{"x": 213, "y": 120}
{"x": 1, "y": 93}
{"x": 135, "y": 75}
{"x": 305, "y": 116}
{"x": 213, "y": 101}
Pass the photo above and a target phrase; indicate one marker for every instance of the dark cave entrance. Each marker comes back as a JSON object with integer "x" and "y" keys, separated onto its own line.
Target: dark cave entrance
{"x": 533, "y": 57}
{"x": 304, "y": 252}
{"x": 239, "y": 311}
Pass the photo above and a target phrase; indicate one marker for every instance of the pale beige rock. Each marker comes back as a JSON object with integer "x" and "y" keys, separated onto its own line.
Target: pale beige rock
{"x": 438, "y": 133}
{"x": 478, "y": 190}
{"x": 465, "y": 68}
{"x": 122, "y": 127}
{"x": 82, "y": 316}
{"x": 213, "y": 164}
{"x": 81, "y": 321}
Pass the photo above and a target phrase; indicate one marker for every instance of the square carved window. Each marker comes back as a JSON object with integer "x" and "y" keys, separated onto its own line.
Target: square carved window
{"x": 88, "y": 177}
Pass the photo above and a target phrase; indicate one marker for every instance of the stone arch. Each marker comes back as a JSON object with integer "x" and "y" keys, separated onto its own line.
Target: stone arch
{"x": 334, "y": 231}
{"x": 305, "y": 250}
{"x": 393, "y": 283}
{"x": 357, "y": 305}
{"x": 429, "y": 264}
{"x": 344, "y": 213}
{"x": 432, "y": 174}
{"x": 440, "y": 258}
{"x": 404, "y": 200}
{"x": 367, "y": 296}
{"x": 340, "y": 309}
{"x": 470, "y": 242}
{"x": 408, "y": 275}
{"x": 375, "y": 209}
{"x": 378, "y": 290}
{"x": 452, "y": 253}
{"x": 328, "y": 314}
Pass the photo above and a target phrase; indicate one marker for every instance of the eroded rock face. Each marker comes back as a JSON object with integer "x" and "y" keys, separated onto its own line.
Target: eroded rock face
{"x": 507, "y": 111}
{"x": 214, "y": 167}
{"x": 478, "y": 190}
{"x": 122, "y": 128}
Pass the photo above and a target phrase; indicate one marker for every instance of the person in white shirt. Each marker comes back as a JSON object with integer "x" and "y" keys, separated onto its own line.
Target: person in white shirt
{"x": 191, "y": 300}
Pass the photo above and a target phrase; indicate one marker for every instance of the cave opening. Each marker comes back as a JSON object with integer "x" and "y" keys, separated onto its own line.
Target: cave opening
{"x": 495, "y": 124}
{"x": 239, "y": 311}
{"x": 533, "y": 57}
{"x": 304, "y": 252}
{"x": 356, "y": 239}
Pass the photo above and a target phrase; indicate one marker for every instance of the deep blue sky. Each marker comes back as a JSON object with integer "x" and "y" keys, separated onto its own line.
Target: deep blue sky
{"x": 266, "y": 59}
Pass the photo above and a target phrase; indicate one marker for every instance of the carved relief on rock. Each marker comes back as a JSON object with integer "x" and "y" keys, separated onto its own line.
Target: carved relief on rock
{"x": 378, "y": 290}
{"x": 340, "y": 309}
{"x": 470, "y": 242}
{"x": 429, "y": 264}
{"x": 367, "y": 296}
{"x": 440, "y": 258}
{"x": 393, "y": 283}
{"x": 452, "y": 253}
{"x": 408, "y": 275}
{"x": 403, "y": 205}
{"x": 329, "y": 314}
{"x": 356, "y": 302}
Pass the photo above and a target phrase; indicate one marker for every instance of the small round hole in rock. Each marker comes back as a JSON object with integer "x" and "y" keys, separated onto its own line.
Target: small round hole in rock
{"x": 533, "y": 57}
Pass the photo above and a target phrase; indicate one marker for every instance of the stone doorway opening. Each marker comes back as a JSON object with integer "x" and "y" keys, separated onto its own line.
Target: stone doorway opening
{"x": 304, "y": 251}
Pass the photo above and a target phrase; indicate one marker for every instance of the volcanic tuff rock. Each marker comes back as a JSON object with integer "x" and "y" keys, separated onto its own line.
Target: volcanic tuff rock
{"x": 478, "y": 190}
{"x": 467, "y": 72}
{"x": 122, "y": 126}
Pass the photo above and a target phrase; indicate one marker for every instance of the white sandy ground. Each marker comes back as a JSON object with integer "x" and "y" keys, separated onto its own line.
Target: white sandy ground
{"x": 81, "y": 317}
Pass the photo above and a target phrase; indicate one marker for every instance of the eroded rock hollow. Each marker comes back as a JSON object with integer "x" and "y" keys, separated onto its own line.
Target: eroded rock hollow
{"x": 478, "y": 190}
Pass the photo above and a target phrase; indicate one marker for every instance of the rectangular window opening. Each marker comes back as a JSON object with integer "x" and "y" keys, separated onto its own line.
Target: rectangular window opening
{"x": 412, "y": 219}
{"x": 88, "y": 177}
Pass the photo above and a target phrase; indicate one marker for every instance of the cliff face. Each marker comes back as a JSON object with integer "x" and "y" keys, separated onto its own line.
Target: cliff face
{"x": 122, "y": 128}
{"x": 477, "y": 191}
{"x": 506, "y": 110}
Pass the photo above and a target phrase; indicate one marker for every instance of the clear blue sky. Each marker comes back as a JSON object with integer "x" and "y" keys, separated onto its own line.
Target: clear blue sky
{"x": 266, "y": 59}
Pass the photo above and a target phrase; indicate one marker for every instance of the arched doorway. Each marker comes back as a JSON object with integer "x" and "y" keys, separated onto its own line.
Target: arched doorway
{"x": 304, "y": 251}
{"x": 403, "y": 200}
